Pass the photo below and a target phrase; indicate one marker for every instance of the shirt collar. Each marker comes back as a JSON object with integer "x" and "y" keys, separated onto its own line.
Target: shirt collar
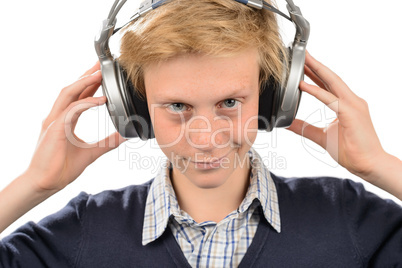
{"x": 162, "y": 203}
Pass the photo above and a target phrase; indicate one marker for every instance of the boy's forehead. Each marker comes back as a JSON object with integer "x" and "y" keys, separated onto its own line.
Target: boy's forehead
{"x": 184, "y": 95}
{"x": 192, "y": 76}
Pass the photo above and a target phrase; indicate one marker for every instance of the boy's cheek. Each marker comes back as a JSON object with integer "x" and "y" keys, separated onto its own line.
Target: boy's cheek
{"x": 167, "y": 131}
{"x": 168, "y": 136}
{"x": 249, "y": 127}
{"x": 250, "y": 134}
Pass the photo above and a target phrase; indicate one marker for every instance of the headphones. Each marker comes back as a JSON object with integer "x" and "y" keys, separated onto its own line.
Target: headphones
{"x": 278, "y": 104}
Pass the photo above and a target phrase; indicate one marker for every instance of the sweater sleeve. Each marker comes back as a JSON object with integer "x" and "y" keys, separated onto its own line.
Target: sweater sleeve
{"x": 52, "y": 242}
{"x": 375, "y": 226}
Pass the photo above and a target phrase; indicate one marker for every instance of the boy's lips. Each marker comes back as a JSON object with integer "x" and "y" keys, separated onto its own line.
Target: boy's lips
{"x": 213, "y": 161}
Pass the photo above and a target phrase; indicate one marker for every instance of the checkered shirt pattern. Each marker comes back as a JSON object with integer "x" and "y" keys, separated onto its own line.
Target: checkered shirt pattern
{"x": 211, "y": 244}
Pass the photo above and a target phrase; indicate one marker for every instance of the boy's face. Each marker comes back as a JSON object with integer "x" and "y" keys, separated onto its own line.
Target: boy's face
{"x": 203, "y": 108}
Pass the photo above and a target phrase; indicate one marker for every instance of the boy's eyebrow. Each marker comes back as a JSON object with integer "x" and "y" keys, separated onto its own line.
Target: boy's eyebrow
{"x": 239, "y": 92}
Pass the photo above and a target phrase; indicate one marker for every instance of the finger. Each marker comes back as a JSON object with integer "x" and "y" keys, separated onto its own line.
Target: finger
{"x": 90, "y": 91}
{"x": 322, "y": 95}
{"x": 333, "y": 82}
{"x": 309, "y": 131}
{"x": 70, "y": 94}
{"x": 314, "y": 77}
{"x": 70, "y": 116}
{"x": 92, "y": 70}
{"x": 109, "y": 143}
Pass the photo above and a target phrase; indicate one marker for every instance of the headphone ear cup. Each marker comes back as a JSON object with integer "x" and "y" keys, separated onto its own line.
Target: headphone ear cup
{"x": 268, "y": 104}
{"x": 140, "y": 112}
{"x": 290, "y": 94}
{"x": 271, "y": 97}
{"x": 127, "y": 111}
{"x": 137, "y": 107}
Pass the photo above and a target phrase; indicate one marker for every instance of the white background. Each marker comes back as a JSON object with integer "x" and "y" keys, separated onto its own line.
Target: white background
{"x": 47, "y": 45}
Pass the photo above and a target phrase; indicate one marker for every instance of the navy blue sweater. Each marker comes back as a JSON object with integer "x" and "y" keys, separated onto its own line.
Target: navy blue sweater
{"x": 326, "y": 222}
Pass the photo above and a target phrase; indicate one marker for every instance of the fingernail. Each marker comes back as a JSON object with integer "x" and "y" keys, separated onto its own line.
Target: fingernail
{"x": 102, "y": 99}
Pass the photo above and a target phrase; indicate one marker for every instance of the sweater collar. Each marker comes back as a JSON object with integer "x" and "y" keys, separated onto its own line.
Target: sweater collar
{"x": 162, "y": 202}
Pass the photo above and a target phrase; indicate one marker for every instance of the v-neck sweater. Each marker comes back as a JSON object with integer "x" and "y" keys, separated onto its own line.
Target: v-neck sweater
{"x": 326, "y": 222}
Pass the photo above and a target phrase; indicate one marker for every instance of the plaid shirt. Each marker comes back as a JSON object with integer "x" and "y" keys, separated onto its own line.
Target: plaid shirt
{"x": 211, "y": 244}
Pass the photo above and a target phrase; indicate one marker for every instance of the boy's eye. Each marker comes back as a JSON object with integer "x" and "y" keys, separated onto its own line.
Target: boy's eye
{"x": 179, "y": 107}
{"x": 231, "y": 103}
{"x": 176, "y": 107}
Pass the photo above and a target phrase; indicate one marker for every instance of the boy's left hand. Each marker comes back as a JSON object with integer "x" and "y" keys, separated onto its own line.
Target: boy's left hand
{"x": 350, "y": 139}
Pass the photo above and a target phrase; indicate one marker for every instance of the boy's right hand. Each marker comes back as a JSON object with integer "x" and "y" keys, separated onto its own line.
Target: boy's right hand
{"x": 60, "y": 156}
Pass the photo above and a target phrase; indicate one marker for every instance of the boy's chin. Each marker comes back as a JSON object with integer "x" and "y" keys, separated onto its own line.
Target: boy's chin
{"x": 210, "y": 179}
{"x": 228, "y": 172}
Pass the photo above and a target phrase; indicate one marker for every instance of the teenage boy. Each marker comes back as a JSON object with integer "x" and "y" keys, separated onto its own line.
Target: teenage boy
{"x": 200, "y": 64}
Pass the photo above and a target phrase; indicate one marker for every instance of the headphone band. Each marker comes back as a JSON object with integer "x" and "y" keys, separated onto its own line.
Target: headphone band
{"x": 101, "y": 42}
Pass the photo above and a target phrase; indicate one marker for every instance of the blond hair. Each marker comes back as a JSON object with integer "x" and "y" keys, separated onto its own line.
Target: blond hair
{"x": 211, "y": 27}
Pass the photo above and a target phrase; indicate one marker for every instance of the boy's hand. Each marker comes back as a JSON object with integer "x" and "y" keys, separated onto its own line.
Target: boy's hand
{"x": 60, "y": 156}
{"x": 350, "y": 139}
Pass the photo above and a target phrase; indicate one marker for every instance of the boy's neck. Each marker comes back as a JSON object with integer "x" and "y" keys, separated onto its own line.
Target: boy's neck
{"x": 212, "y": 204}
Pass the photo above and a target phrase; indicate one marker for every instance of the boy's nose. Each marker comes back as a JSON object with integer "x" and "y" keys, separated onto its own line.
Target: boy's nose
{"x": 208, "y": 132}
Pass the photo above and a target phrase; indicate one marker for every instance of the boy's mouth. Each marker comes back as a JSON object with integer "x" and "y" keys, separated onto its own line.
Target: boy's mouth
{"x": 214, "y": 159}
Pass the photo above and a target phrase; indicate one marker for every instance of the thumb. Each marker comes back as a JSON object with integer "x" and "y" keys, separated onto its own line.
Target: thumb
{"x": 107, "y": 144}
{"x": 308, "y": 131}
